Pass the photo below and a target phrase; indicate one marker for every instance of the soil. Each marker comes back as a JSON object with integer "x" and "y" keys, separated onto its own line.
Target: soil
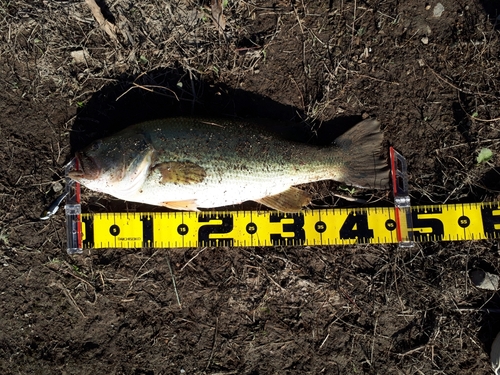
{"x": 432, "y": 81}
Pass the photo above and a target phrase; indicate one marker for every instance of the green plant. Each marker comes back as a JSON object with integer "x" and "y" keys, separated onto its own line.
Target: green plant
{"x": 4, "y": 237}
{"x": 484, "y": 155}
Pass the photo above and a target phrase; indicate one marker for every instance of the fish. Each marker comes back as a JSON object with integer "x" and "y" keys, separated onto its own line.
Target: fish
{"x": 188, "y": 163}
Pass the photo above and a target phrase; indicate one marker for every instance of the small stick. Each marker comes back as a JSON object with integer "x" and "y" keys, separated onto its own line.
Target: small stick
{"x": 173, "y": 282}
{"x": 190, "y": 260}
{"x": 136, "y": 276}
{"x": 348, "y": 198}
{"x": 411, "y": 351}
{"x": 69, "y": 297}
{"x": 455, "y": 86}
{"x": 373, "y": 341}
{"x": 473, "y": 309}
{"x": 147, "y": 88}
{"x": 324, "y": 340}
{"x": 215, "y": 341}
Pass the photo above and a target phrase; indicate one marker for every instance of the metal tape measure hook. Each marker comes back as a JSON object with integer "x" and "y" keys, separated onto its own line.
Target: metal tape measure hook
{"x": 402, "y": 207}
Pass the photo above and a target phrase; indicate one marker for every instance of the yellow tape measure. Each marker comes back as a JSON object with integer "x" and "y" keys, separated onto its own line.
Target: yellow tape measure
{"x": 342, "y": 226}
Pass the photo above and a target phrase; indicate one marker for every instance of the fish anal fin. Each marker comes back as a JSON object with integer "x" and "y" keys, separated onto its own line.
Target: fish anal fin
{"x": 187, "y": 205}
{"x": 290, "y": 200}
{"x": 181, "y": 173}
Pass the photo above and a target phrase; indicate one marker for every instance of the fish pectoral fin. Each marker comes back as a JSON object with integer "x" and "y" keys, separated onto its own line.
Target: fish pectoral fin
{"x": 180, "y": 172}
{"x": 187, "y": 205}
{"x": 290, "y": 200}
{"x": 76, "y": 175}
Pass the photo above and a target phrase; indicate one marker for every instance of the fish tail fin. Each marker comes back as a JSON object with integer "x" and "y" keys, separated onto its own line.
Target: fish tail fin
{"x": 360, "y": 147}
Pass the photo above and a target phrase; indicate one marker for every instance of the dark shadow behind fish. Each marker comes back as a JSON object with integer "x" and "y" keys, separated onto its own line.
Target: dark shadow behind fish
{"x": 116, "y": 107}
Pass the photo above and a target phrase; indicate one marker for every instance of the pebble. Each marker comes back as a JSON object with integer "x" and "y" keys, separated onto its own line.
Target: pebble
{"x": 425, "y": 40}
{"x": 484, "y": 280}
{"x": 438, "y": 10}
{"x": 57, "y": 187}
{"x": 80, "y": 56}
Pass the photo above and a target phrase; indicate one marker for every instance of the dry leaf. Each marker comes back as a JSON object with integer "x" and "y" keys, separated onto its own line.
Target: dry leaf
{"x": 107, "y": 26}
{"x": 218, "y": 17}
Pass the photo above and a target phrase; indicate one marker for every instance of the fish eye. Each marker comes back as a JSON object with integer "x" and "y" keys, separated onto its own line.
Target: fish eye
{"x": 96, "y": 145}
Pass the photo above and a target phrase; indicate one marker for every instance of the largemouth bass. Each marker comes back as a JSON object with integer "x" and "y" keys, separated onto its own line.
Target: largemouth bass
{"x": 189, "y": 163}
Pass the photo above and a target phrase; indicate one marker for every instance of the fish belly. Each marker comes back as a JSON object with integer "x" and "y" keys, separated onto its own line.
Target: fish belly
{"x": 218, "y": 190}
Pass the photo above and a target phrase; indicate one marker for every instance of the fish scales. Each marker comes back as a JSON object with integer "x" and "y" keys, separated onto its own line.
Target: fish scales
{"x": 239, "y": 163}
{"x": 188, "y": 163}
{"x": 235, "y": 149}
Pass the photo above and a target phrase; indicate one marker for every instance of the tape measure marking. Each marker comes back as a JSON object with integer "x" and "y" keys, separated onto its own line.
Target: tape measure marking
{"x": 342, "y": 226}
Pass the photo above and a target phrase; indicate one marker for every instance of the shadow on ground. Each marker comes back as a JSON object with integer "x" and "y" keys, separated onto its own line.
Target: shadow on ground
{"x": 171, "y": 93}
{"x": 492, "y": 8}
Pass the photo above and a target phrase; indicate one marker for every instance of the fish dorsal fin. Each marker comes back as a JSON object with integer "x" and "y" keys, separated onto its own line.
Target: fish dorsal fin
{"x": 180, "y": 172}
{"x": 290, "y": 200}
{"x": 187, "y": 205}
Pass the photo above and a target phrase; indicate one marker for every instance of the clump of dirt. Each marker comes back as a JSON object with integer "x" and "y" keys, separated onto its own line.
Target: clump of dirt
{"x": 430, "y": 77}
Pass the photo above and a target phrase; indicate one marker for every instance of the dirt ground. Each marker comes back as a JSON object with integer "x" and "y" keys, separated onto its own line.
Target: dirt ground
{"x": 431, "y": 78}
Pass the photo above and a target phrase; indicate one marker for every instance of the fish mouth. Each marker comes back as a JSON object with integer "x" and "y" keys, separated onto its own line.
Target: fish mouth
{"x": 88, "y": 168}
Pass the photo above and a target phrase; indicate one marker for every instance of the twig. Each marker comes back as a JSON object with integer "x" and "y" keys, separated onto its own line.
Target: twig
{"x": 173, "y": 282}
{"x": 375, "y": 79}
{"x": 190, "y": 260}
{"x": 367, "y": 76}
{"x": 483, "y": 119}
{"x": 455, "y": 86}
{"x": 215, "y": 341}
{"x": 350, "y": 199}
{"x": 478, "y": 309}
{"x": 298, "y": 90}
{"x": 69, "y": 296}
{"x": 274, "y": 282}
{"x": 137, "y": 273}
{"x": 411, "y": 351}
{"x": 192, "y": 90}
{"x": 79, "y": 278}
{"x": 373, "y": 341}
{"x": 298, "y": 20}
{"x": 324, "y": 340}
{"x": 150, "y": 89}
{"x": 353, "y": 23}
{"x": 474, "y": 117}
